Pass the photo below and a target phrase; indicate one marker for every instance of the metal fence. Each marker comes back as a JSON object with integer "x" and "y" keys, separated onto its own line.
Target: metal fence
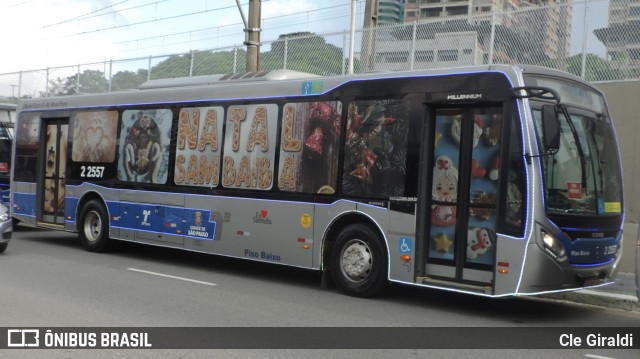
{"x": 598, "y": 40}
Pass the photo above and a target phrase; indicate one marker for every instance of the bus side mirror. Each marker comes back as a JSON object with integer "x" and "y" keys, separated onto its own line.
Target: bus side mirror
{"x": 550, "y": 128}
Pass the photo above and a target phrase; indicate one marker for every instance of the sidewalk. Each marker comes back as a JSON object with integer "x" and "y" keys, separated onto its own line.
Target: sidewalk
{"x": 619, "y": 295}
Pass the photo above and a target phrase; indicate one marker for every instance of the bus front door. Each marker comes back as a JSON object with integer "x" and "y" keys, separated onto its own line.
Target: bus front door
{"x": 53, "y": 163}
{"x": 461, "y": 194}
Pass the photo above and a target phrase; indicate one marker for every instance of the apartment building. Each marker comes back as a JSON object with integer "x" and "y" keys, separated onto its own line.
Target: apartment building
{"x": 510, "y": 30}
{"x": 622, "y": 37}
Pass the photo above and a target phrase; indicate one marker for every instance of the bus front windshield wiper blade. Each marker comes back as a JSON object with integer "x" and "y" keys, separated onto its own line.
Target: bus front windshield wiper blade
{"x": 583, "y": 160}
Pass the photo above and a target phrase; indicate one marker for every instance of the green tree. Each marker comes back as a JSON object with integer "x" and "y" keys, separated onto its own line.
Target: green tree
{"x": 173, "y": 66}
{"x": 596, "y": 68}
{"x": 204, "y": 63}
{"x": 90, "y": 81}
{"x": 306, "y": 52}
{"x": 221, "y": 62}
{"x": 125, "y": 80}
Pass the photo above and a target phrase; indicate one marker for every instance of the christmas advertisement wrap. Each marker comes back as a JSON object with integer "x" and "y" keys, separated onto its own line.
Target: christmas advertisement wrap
{"x": 376, "y": 149}
{"x": 484, "y": 172}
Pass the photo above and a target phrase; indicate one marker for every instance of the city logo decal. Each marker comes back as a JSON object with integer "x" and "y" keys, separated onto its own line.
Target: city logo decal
{"x": 202, "y": 227}
{"x": 262, "y": 217}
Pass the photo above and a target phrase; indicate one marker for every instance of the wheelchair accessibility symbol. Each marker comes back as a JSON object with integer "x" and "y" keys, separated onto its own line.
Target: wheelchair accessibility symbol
{"x": 406, "y": 245}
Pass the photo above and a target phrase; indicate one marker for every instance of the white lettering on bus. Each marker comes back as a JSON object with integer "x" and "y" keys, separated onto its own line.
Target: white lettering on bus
{"x": 472, "y": 96}
{"x": 92, "y": 171}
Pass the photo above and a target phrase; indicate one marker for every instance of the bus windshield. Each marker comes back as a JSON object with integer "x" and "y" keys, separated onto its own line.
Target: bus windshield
{"x": 583, "y": 176}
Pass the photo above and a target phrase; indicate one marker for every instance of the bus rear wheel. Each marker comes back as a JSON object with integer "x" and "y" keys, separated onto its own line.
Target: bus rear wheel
{"x": 94, "y": 227}
{"x": 358, "y": 262}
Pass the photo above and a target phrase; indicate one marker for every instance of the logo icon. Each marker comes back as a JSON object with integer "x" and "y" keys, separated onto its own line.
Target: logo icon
{"x": 406, "y": 245}
{"x": 262, "y": 217}
{"x": 23, "y": 338}
{"x": 305, "y": 220}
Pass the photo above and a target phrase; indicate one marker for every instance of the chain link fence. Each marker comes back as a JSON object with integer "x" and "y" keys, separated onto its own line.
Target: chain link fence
{"x": 598, "y": 40}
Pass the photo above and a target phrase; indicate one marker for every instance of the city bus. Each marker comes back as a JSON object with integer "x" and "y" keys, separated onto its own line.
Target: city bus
{"x": 498, "y": 180}
{"x": 7, "y": 118}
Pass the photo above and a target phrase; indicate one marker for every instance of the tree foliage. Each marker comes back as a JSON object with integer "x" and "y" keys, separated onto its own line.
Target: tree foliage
{"x": 125, "y": 80}
{"x": 204, "y": 63}
{"x": 88, "y": 81}
{"x": 304, "y": 51}
{"x": 596, "y": 68}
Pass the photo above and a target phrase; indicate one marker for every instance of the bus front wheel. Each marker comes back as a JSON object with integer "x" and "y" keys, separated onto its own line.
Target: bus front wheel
{"x": 358, "y": 262}
{"x": 94, "y": 227}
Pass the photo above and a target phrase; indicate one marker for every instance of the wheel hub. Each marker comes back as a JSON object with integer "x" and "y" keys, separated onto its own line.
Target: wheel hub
{"x": 356, "y": 261}
{"x": 93, "y": 227}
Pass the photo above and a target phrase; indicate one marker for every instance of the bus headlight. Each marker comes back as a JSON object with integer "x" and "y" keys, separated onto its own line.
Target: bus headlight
{"x": 554, "y": 246}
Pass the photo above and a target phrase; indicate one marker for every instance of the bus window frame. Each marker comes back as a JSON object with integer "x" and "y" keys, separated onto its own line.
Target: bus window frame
{"x": 511, "y": 113}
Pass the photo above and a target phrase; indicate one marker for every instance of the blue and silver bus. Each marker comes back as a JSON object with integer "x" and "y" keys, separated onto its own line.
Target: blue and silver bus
{"x": 495, "y": 180}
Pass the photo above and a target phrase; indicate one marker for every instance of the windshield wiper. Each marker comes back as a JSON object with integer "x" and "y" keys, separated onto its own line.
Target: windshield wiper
{"x": 583, "y": 159}
{"x": 595, "y": 122}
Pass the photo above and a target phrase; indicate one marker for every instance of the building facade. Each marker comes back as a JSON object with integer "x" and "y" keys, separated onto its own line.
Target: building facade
{"x": 390, "y": 12}
{"x": 622, "y": 37}
{"x": 510, "y": 31}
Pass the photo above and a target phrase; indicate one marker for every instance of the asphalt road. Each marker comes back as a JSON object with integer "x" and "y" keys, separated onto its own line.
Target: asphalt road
{"x": 47, "y": 280}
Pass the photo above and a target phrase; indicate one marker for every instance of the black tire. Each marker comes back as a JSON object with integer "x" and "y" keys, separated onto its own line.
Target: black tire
{"x": 94, "y": 227}
{"x": 358, "y": 262}
{"x": 3, "y": 247}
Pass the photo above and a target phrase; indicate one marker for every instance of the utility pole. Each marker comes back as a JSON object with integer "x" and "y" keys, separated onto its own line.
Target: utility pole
{"x": 352, "y": 40}
{"x": 369, "y": 34}
{"x": 252, "y": 34}
{"x": 371, "y": 14}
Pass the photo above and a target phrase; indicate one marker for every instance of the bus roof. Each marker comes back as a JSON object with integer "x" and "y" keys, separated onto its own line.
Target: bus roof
{"x": 254, "y": 85}
{"x": 269, "y": 75}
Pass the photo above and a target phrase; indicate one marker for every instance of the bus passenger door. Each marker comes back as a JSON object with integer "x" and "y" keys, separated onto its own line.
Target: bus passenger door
{"x": 53, "y": 163}
{"x": 461, "y": 194}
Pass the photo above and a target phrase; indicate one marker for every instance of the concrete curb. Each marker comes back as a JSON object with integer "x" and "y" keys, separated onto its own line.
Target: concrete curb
{"x": 602, "y": 299}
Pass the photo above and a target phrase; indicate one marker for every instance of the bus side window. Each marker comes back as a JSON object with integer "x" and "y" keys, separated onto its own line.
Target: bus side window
{"x": 94, "y": 136}
{"x": 309, "y": 146}
{"x": 27, "y": 137}
{"x": 144, "y": 141}
{"x": 376, "y": 149}
{"x": 198, "y": 147}
{"x": 249, "y": 146}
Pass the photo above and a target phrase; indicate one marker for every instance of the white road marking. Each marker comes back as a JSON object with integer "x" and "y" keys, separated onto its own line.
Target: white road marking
{"x": 597, "y": 356}
{"x": 171, "y": 276}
